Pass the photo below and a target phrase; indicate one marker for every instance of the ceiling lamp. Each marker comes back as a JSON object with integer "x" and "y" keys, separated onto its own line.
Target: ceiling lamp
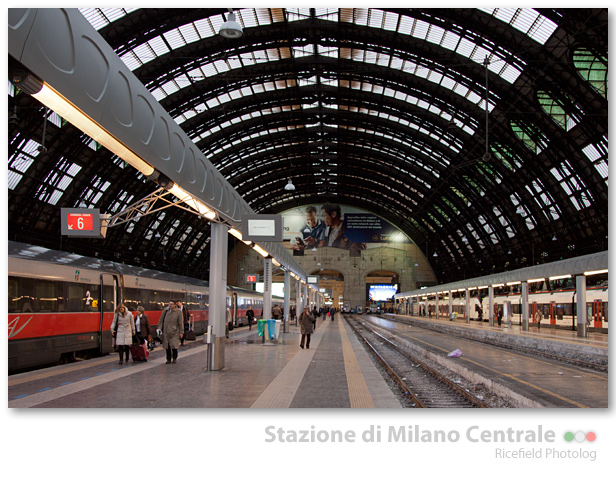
{"x": 289, "y": 186}
{"x": 231, "y": 29}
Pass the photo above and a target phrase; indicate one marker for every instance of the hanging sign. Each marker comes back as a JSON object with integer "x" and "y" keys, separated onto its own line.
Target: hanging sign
{"x": 81, "y": 222}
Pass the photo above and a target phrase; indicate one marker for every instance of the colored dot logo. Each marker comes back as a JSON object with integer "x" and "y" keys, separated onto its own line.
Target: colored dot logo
{"x": 580, "y": 436}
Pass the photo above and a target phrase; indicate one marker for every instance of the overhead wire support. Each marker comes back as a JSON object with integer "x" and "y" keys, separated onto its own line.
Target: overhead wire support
{"x": 146, "y": 206}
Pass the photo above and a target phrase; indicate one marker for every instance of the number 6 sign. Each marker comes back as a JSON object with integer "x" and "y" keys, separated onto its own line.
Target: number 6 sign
{"x": 81, "y": 222}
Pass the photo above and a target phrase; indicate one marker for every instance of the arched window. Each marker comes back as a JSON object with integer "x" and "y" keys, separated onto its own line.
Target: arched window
{"x": 530, "y": 135}
{"x": 592, "y": 68}
{"x": 555, "y": 109}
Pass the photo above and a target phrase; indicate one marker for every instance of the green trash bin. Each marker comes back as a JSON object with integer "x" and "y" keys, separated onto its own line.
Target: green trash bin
{"x": 261, "y": 327}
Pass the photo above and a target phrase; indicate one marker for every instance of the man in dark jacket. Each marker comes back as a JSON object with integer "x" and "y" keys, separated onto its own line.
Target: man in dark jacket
{"x": 185, "y": 319}
{"x": 250, "y": 316}
{"x": 306, "y": 327}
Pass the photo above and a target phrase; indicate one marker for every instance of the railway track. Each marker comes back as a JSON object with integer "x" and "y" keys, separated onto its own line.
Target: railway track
{"x": 426, "y": 387}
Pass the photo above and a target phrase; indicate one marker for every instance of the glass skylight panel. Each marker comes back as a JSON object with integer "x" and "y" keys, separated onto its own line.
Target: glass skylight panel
{"x": 205, "y": 28}
{"x": 525, "y": 20}
{"x": 131, "y": 60}
{"x": 158, "y": 46}
{"x": 101, "y": 17}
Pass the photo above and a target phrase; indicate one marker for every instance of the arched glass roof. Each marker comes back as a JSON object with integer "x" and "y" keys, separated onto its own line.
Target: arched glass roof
{"x": 383, "y": 109}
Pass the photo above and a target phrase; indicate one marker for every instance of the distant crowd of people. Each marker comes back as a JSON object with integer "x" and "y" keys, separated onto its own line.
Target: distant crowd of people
{"x": 174, "y": 322}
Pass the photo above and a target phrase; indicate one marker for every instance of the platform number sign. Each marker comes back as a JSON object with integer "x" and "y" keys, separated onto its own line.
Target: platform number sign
{"x": 81, "y": 222}
{"x": 251, "y": 278}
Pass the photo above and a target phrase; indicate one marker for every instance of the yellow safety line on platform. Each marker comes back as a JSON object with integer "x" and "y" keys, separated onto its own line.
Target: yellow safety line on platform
{"x": 359, "y": 395}
{"x": 282, "y": 390}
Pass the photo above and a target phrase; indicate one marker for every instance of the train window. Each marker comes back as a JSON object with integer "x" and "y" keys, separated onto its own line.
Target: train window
{"x": 44, "y": 293}
{"x": 21, "y": 295}
{"x": 133, "y": 297}
{"x": 81, "y": 298}
{"x": 198, "y": 301}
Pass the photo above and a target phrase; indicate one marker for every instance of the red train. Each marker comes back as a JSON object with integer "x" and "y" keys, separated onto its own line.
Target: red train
{"x": 61, "y": 305}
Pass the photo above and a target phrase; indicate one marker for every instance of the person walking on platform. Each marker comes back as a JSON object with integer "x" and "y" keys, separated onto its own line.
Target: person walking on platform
{"x": 185, "y": 320}
{"x": 172, "y": 328}
{"x": 306, "y": 327}
{"x": 538, "y": 318}
{"x": 142, "y": 326}
{"x": 250, "y": 316}
{"x": 123, "y": 329}
{"x": 276, "y": 312}
{"x": 228, "y": 323}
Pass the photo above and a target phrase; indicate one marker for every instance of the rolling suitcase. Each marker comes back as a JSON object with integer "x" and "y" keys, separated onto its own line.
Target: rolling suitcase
{"x": 140, "y": 353}
{"x": 190, "y": 334}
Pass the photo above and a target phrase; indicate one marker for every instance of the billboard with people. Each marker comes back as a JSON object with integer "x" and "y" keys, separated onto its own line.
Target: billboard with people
{"x": 332, "y": 225}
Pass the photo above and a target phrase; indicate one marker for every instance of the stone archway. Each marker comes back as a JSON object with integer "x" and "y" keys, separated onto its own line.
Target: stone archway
{"x": 381, "y": 296}
{"x": 331, "y": 285}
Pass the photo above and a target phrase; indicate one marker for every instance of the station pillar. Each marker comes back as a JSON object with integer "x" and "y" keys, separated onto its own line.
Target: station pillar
{"x": 525, "y": 306}
{"x": 491, "y": 305}
{"x": 580, "y": 302}
{"x": 468, "y": 306}
{"x": 267, "y": 288}
{"x": 218, "y": 296}
{"x": 287, "y": 301}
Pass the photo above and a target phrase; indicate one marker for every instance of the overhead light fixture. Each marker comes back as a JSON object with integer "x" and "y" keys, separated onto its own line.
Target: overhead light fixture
{"x": 595, "y": 272}
{"x": 289, "y": 186}
{"x": 262, "y": 252}
{"x": 237, "y": 234}
{"x": 53, "y": 100}
{"x": 560, "y": 277}
{"x": 192, "y": 202}
{"x": 231, "y": 29}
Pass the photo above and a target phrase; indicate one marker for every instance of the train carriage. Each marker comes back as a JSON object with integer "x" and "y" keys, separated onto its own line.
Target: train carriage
{"x": 558, "y": 307}
{"x": 61, "y": 305}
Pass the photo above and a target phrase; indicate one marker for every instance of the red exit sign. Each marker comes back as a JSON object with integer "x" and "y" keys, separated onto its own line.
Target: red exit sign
{"x": 251, "y": 278}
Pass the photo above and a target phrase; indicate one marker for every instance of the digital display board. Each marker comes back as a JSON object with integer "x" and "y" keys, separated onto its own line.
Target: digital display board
{"x": 381, "y": 292}
{"x": 312, "y": 280}
{"x": 80, "y": 222}
{"x": 262, "y": 228}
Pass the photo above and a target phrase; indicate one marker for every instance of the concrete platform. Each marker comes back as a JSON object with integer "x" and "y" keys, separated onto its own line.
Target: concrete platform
{"x": 335, "y": 372}
{"x": 548, "y": 339}
{"x": 529, "y": 381}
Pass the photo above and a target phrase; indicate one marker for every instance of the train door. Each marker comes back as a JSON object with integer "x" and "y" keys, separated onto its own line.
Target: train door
{"x": 597, "y": 313}
{"x": 552, "y": 313}
{"x": 110, "y": 295}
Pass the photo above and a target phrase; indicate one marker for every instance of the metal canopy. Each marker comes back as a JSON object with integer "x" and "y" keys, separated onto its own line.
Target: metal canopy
{"x": 382, "y": 109}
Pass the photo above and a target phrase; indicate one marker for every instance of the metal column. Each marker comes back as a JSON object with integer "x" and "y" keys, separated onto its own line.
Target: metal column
{"x": 491, "y": 305}
{"x": 267, "y": 288}
{"x": 298, "y": 300}
{"x": 468, "y": 301}
{"x": 450, "y": 305}
{"x": 580, "y": 302}
{"x": 525, "y": 306}
{"x": 218, "y": 295}
{"x": 287, "y": 300}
